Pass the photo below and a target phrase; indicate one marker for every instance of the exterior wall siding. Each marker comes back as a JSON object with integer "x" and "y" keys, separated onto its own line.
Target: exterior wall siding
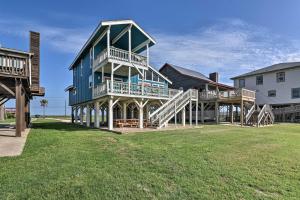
{"x": 283, "y": 89}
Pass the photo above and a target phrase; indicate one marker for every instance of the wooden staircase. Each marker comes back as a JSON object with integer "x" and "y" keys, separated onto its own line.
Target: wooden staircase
{"x": 260, "y": 117}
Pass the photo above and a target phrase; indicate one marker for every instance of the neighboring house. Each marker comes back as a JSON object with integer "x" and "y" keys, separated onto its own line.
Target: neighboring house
{"x": 20, "y": 79}
{"x": 186, "y": 79}
{"x": 277, "y": 85}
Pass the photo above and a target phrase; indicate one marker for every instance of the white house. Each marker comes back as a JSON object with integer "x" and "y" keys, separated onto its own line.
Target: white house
{"x": 277, "y": 85}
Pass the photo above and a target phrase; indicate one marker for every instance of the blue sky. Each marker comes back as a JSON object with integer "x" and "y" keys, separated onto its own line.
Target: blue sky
{"x": 228, "y": 36}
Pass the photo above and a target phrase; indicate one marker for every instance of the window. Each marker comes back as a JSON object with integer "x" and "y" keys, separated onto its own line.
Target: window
{"x": 242, "y": 83}
{"x": 280, "y": 77}
{"x": 259, "y": 80}
{"x": 272, "y": 93}
{"x": 155, "y": 77}
{"x": 90, "y": 81}
{"x": 295, "y": 93}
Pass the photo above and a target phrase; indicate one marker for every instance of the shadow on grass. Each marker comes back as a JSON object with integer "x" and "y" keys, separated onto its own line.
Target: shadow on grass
{"x": 60, "y": 126}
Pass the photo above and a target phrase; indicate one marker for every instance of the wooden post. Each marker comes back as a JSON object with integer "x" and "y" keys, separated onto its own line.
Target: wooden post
{"x": 76, "y": 114}
{"x": 202, "y": 112}
{"x": 129, "y": 80}
{"x": 112, "y": 78}
{"x": 231, "y": 113}
{"x": 217, "y": 111}
{"x": 110, "y": 113}
{"x": 242, "y": 113}
{"x": 97, "y": 115}
{"x": 23, "y": 109}
{"x": 129, "y": 43}
{"x": 175, "y": 115}
{"x": 88, "y": 115}
{"x": 18, "y": 108}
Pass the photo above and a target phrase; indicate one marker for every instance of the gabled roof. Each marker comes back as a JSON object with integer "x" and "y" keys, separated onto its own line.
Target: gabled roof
{"x": 152, "y": 68}
{"x": 272, "y": 68}
{"x": 101, "y": 28}
{"x": 194, "y": 74}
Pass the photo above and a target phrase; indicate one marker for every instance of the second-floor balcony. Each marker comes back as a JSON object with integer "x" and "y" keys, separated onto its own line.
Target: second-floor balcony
{"x": 133, "y": 89}
{"x": 120, "y": 56}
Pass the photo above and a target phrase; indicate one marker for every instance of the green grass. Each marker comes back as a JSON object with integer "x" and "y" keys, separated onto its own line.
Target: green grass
{"x": 8, "y": 121}
{"x": 63, "y": 161}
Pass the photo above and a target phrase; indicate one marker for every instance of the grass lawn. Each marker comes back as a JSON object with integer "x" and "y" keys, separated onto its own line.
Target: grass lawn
{"x": 64, "y": 161}
{"x": 8, "y": 121}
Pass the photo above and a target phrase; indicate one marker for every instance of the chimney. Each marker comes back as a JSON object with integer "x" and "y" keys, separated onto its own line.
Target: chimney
{"x": 35, "y": 61}
{"x": 214, "y": 77}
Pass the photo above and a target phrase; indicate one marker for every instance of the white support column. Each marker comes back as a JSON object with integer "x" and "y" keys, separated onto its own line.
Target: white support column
{"x": 147, "y": 54}
{"x": 124, "y": 107}
{"x": 143, "y": 81}
{"x": 97, "y": 116}
{"x": 81, "y": 115}
{"x": 196, "y": 118}
{"x": 183, "y": 116}
{"x": 132, "y": 112}
{"x": 88, "y": 115}
{"x": 112, "y": 78}
{"x": 129, "y": 80}
{"x": 108, "y": 42}
{"x": 76, "y": 115}
{"x": 191, "y": 113}
{"x": 102, "y": 74}
{"x": 129, "y": 43}
{"x": 141, "y": 115}
{"x": 111, "y": 114}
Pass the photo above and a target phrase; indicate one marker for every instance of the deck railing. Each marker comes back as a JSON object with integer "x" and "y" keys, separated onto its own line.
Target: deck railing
{"x": 210, "y": 95}
{"x": 135, "y": 89}
{"x": 120, "y": 55}
{"x": 16, "y": 66}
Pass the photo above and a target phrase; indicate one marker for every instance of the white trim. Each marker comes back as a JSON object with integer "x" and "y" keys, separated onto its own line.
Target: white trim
{"x": 152, "y": 68}
{"x": 117, "y": 22}
{"x": 101, "y": 36}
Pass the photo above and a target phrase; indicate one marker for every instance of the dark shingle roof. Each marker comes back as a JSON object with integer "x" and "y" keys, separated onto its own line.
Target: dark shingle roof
{"x": 272, "y": 68}
{"x": 190, "y": 72}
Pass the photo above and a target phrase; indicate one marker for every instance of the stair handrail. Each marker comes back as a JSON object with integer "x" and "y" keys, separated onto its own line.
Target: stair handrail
{"x": 165, "y": 104}
{"x": 269, "y": 110}
{"x": 163, "y": 116}
{"x": 261, "y": 114}
{"x": 249, "y": 114}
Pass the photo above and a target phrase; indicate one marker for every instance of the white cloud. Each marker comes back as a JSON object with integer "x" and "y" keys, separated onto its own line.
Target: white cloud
{"x": 230, "y": 47}
{"x": 66, "y": 40}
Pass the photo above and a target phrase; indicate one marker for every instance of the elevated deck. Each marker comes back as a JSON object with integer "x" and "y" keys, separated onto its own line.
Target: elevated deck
{"x": 120, "y": 56}
{"x": 14, "y": 65}
{"x": 125, "y": 89}
{"x": 231, "y": 96}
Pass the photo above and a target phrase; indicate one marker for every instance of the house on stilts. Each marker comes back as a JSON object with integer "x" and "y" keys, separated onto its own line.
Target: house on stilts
{"x": 115, "y": 86}
{"x": 20, "y": 79}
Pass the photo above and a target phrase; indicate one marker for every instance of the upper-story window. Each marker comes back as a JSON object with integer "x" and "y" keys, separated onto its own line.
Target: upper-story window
{"x": 259, "y": 80}
{"x": 148, "y": 75}
{"x": 272, "y": 93}
{"x": 280, "y": 77}
{"x": 242, "y": 83}
{"x": 295, "y": 93}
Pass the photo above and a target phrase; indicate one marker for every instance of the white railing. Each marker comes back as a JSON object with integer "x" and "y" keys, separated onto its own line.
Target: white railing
{"x": 249, "y": 114}
{"x": 173, "y": 107}
{"x": 285, "y": 110}
{"x": 135, "y": 89}
{"x": 265, "y": 110}
{"x": 120, "y": 55}
{"x": 208, "y": 95}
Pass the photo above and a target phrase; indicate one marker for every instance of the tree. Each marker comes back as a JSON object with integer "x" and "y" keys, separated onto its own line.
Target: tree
{"x": 44, "y": 104}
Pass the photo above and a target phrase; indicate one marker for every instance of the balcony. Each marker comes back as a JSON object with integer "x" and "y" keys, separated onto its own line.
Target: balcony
{"x": 122, "y": 89}
{"x": 228, "y": 95}
{"x": 120, "y": 56}
{"x": 13, "y": 66}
